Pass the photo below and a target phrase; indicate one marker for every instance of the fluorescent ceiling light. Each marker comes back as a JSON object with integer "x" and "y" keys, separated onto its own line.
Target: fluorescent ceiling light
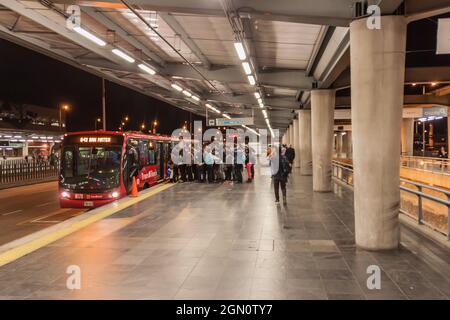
{"x": 261, "y": 105}
{"x": 89, "y": 36}
{"x": 226, "y": 116}
{"x": 187, "y": 93}
{"x": 240, "y": 50}
{"x": 176, "y": 87}
{"x": 251, "y": 80}
{"x": 123, "y": 55}
{"x": 260, "y": 101}
{"x": 257, "y": 95}
{"x": 247, "y": 68}
{"x": 196, "y": 98}
{"x": 146, "y": 69}
{"x": 265, "y": 114}
{"x": 212, "y": 108}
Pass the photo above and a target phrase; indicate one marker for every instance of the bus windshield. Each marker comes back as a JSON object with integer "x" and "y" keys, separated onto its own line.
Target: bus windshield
{"x": 90, "y": 167}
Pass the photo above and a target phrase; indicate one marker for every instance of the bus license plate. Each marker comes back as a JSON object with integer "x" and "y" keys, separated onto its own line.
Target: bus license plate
{"x": 78, "y": 196}
{"x": 88, "y": 204}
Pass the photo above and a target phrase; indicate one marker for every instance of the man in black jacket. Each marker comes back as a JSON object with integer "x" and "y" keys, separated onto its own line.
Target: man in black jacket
{"x": 290, "y": 154}
{"x": 280, "y": 171}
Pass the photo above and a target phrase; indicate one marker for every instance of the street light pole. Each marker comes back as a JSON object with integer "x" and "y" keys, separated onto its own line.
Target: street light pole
{"x": 104, "y": 104}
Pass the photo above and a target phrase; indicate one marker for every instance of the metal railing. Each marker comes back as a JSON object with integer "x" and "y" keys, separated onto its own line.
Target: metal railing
{"x": 22, "y": 171}
{"x": 433, "y": 165}
{"x": 344, "y": 173}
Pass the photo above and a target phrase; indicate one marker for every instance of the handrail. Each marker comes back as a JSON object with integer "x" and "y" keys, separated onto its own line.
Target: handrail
{"x": 419, "y": 193}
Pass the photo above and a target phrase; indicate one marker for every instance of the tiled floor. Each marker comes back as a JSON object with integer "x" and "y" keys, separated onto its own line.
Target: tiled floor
{"x": 200, "y": 241}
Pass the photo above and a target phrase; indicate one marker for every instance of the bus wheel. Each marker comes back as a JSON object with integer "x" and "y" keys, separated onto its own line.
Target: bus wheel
{"x": 146, "y": 186}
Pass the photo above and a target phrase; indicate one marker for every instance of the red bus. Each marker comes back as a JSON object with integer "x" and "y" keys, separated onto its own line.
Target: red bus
{"x": 97, "y": 167}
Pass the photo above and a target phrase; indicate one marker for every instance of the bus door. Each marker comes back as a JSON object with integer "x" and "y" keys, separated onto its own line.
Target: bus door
{"x": 130, "y": 163}
{"x": 160, "y": 160}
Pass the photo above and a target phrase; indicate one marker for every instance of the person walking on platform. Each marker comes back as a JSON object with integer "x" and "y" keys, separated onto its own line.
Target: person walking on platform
{"x": 280, "y": 170}
{"x": 290, "y": 154}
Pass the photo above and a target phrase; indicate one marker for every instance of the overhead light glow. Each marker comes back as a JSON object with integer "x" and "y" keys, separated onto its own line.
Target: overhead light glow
{"x": 187, "y": 93}
{"x": 257, "y": 95}
{"x": 89, "y": 36}
{"x": 146, "y": 69}
{"x": 261, "y": 105}
{"x": 123, "y": 55}
{"x": 240, "y": 50}
{"x": 251, "y": 80}
{"x": 176, "y": 87}
{"x": 196, "y": 98}
{"x": 265, "y": 114}
{"x": 212, "y": 108}
{"x": 247, "y": 68}
{"x": 260, "y": 101}
{"x": 226, "y": 116}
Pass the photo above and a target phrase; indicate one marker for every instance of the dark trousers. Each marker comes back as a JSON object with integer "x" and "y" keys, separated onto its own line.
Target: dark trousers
{"x": 210, "y": 171}
{"x": 189, "y": 173}
{"x": 199, "y": 173}
{"x": 228, "y": 172}
{"x": 182, "y": 172}
{"x": 277, "y": 182}
{"x": 175, "y": 173}
{"x": 238, "y": 172}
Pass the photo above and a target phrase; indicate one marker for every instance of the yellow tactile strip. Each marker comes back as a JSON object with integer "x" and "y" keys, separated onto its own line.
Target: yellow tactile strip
{"x": 23, "y": 246}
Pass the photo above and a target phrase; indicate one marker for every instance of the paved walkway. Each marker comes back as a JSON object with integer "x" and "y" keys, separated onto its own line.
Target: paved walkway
{"x": 229, "y": 242}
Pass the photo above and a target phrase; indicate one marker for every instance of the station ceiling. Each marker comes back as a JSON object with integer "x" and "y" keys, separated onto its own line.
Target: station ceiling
{"x": 289, "y": 45}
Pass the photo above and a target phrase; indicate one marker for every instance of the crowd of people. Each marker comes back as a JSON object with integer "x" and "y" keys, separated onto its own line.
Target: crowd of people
{"x": 211, "y": 167}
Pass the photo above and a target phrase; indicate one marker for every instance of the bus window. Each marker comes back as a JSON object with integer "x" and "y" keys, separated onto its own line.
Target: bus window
{"x": 151, "y": 153}
{"x": 143, "y": 153}
{"x": 158, "y": 158}
{"x": 68, "y": 165}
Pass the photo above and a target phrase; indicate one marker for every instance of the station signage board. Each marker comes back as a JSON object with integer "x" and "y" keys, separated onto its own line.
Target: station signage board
{"x": 435, "y": 112}
{"x": 443, "y": 37}
{"x": 412, "y": 113}
{"x": 234, "y": 122}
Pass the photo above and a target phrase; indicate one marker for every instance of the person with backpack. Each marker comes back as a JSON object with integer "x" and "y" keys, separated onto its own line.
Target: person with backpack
{"x": 280, "y": 170}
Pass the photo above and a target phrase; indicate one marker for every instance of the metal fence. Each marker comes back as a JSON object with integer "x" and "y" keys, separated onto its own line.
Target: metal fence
{"x": 22, "y": 171}
{"x": 434, "y": 165}
{"x": 436, "y": 218}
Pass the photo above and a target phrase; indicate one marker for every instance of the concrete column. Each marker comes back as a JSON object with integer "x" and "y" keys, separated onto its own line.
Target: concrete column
{"x": 296, "y": 144}
{"x": 407, "y": 136}
{"x": 291, "y": 135}
{"x": 304, "y": 117}
{"x": 347, "y": 144}
{"x": 286, "y": 135}
{"x": 377, "y": 80}
{"x": 322, "y": 121}
{"x": 339, "y": 144}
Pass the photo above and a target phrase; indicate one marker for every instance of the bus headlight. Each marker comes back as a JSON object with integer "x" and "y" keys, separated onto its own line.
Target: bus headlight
{"x": 115, "y": 194}
{"x": 65, "y": 194}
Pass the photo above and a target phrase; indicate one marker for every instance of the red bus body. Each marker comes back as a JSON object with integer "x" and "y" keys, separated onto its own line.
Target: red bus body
{"x": 146, "y": 172}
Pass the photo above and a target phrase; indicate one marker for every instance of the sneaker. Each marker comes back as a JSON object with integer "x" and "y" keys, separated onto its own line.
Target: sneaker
{"x": 277, "y": 201}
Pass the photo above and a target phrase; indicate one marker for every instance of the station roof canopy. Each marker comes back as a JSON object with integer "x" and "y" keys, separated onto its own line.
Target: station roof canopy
{"x": 289, "y": 45}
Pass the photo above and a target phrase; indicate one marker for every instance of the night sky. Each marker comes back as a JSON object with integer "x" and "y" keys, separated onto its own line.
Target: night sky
{"x": 32, "y": 78}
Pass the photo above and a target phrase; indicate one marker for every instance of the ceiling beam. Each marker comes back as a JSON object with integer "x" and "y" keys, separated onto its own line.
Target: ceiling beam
{"x": 175, "y": 26}
{"x": 292, "y": 79}
{"x": 108, "y": 23}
